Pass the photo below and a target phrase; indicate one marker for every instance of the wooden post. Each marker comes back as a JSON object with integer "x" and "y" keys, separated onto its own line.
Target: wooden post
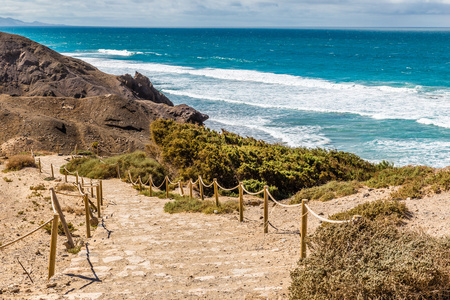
{"x": 40, "y": 166}
{"x": 140, "y": 183}
{"x": 181, "y": 188}
{"x": 241, "y": 203}
{"x": 303, "y": 229}
{"x": 190, "y": 189}
{"x": 53, "y": 242}
{"x": 266, "y": 210}
{"x": 82, "y": 181}
{"x": 99, "y": 202}
{"x": 92, "y": 190}
{"x": 167, "y": 187}
{"x": 150, "y": 183}
{"x": 200, "y": 186}
{"x": 76, "y": 149}
{"x": 216, "y": 192}
{"x": 65, "y": 175}
{"x": 76, "y": 174}
{"x": 86, "y": 211}
{"x": 118, "y": 171}
{"x": 53, "y": 174}
{"x": 61, "y": 216}
{"x": 101, "y": 191}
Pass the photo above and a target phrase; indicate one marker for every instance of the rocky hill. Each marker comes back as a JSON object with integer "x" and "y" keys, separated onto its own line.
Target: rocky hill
{"x": 47, "y": 98}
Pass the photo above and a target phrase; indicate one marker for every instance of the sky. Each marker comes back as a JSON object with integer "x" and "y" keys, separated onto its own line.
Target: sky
{"x": 232, "y": 13}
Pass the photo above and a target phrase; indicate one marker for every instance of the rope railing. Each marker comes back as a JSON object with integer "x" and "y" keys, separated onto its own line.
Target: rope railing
{"x": 24, "y": 236}
{"x": 225, "y": 189}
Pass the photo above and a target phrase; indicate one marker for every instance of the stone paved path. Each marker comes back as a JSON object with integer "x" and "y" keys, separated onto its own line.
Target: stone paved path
{"x": 140, "y": 252}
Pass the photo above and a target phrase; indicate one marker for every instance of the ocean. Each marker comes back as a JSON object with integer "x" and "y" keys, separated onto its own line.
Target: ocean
{"x": 383, "y": 94}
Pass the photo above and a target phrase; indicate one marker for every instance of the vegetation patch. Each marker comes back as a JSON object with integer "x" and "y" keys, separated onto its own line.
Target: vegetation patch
{"x": 137, "y": 163}
{"x": 372, "y": 260}
{"x": 18, "y": 162}
{"x": 195, "y": 150}
{"x": 183, "y": 204}
{"x": 378, "y": 209}
{"x": 327, "y": 191}
{"x": 48, "y": 228}
{"x": 66, "y": 187}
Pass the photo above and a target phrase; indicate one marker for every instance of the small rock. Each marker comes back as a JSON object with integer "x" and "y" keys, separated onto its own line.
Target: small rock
{"x": 38, "y": 252}
{"x": 370, "y": 190}
{"x": 366, "y": 195}
{"x": 260, "y": 217}
{"x": 283, "y": 240}
{"x": 409, "y": 198}
{"x": 320, "y": 214}
{"x": 215, "y": 211}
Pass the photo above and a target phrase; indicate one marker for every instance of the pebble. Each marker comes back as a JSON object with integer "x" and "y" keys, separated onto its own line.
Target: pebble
{"x": 51, "y": 285}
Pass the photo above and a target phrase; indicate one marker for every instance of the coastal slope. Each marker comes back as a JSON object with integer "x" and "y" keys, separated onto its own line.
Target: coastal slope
{"x": 47, "y": 98}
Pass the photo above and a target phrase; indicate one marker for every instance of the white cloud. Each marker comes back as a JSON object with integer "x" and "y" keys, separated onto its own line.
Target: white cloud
{"x": 232, "y": 13}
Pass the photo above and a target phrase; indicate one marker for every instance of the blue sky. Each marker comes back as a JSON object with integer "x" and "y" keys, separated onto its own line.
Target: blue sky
{"x": 233, "y": 13}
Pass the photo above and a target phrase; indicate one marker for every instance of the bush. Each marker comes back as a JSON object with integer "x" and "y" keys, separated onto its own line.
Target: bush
{"x": 137, "y": 163}
{"x": 183, "y": 204}
{"x": 19, "y": 162}
{"x": 372, "y": 260}
{"x": 195, "y": 150}
{"x": 378, "y": 209}
{"x": 327, "y": 191}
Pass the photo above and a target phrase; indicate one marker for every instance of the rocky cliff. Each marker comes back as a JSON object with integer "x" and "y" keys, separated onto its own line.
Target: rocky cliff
{"x": 47, "y": 98}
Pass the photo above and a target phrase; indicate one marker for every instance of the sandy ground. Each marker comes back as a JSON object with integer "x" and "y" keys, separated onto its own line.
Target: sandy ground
{"x": 140, "y": 252}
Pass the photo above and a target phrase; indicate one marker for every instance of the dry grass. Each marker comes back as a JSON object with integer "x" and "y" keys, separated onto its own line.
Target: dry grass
{"x": 373, "y": 258}
{"x": 19, "y": 162}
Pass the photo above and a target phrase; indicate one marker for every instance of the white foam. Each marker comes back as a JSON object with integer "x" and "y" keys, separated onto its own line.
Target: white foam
{"x": 281, "y": 91}
{"x": 118, "y": 52}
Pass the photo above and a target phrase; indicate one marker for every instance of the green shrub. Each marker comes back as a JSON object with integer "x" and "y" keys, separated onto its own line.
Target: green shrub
{"x": 327, "y": 191}
{"x": 194, "y": 150}
{"x": 398, "y": 176}
{"x": 18, "y": 162}
{"x": 372, "y": 260}
{"x": 137, "y": 163}
{"x": 48, "y": 228}
{"x": 183, "y": 204}
{"x": 378, "y": 209}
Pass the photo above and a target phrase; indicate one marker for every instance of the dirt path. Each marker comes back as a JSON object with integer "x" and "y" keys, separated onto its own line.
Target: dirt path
{"x": 140, "y": 252}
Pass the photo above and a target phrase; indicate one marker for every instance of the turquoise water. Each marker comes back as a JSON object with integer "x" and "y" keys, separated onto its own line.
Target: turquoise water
{"x": 383, "y": 94}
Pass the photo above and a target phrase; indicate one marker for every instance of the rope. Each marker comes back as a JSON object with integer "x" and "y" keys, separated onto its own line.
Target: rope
{"x": 195, "y": 182}
{"x": 131, "y": 180}
{"x": 158, "y": 187}
{"x": 201, "y": 179}
{"x": 281, "y": 204}
{"x": 68, "y": 172}
{"x": 325, "y": 220}
{"x": 22, "y": 237}
{"x": 218, "y": 185}
{"x": 250, "y": 193}
{"x": 170, "y": 182}
{"x": 59, "y": 193}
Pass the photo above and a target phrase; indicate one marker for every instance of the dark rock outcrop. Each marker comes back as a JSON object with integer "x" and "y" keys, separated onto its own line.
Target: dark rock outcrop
{"x": 49, "y": 98}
